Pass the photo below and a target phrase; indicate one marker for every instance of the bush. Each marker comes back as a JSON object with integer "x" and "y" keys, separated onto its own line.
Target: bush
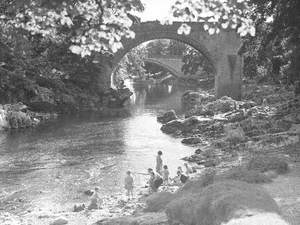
{"x": 266, "y": 163}
{"x": 219, "y": 202}
{"x": 197, "y": 185}
{"x": 157, "y": 201}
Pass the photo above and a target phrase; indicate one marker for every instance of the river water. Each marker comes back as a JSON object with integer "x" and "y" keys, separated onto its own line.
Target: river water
{"x": 49, "y": 167}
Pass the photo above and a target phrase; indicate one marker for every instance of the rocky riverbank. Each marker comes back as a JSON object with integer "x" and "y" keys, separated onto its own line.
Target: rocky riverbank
{"x": 242, "y": 146}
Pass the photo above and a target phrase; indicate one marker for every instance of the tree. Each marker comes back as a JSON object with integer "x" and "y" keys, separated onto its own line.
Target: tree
{"x": 132, "y": 64}
{"x": 193, "y": 61}
{"x": 87, "y": 25}
{"x": 216, "y": 15}
{"x": 276, "y": 47}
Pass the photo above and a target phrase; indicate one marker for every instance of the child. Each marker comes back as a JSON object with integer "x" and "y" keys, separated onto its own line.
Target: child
{"x": 159, "y": 162}
{"x": 179, "y": 169}
{"x": 129, "y": 185}
{"x": 96, "y": 202}
{"x": 151, "y": 182}
{"x": 188, "y": 170}
{"x": 182, "y": 177}
{"x": 165, "y": 175}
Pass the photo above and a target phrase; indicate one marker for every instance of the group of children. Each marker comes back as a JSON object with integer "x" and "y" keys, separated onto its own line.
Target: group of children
{"x": 161, "y": 176}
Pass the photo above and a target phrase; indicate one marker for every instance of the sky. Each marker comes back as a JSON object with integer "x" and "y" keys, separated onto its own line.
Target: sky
{"x": 156, "y": 9}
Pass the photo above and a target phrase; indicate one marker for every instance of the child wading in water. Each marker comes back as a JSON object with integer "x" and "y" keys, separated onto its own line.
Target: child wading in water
{"x": 129, "y": 185}
{"x": 165, "y": 175}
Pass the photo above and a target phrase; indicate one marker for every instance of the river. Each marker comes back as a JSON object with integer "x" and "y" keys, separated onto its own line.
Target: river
{"x": 48, "y": 168}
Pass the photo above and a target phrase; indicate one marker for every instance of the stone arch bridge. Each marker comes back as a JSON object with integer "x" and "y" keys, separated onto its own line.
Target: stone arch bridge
{"x": 172, "y": 65}
{"x": 221, "y": 50}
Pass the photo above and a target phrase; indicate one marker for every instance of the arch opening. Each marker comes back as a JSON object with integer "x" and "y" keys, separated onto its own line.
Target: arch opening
{"x": 132, "y": 44}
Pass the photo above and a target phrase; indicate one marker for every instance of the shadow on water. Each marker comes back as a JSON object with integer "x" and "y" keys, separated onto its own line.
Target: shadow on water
{"x": 51, "y": 165}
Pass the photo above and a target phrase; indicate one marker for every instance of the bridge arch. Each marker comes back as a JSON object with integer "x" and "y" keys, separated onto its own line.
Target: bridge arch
{"x": 219, "y": 49}
{"x": 168, "y": 68}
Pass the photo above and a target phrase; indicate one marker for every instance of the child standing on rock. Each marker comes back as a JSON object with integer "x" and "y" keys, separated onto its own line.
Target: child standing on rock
{"x": 165, "y": 175}
{"x": 159, "y": 162}
{"x": 129, "y": 185}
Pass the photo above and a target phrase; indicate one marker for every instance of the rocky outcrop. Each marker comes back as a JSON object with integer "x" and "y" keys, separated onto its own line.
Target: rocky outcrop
{"x": 16, "y": 116}
{"x": 192, "y": 99}
{"x": 167, "y": 117}
{"x": 230, "y": 127}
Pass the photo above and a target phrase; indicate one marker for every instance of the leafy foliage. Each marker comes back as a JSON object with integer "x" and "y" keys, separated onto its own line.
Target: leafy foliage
{"x": 132, "y": 63}
{"x": 216, "y": 15}
{"x": 87, "y": 25}
{"x": 276, "y": 48}
{"x": 193, "y": 60}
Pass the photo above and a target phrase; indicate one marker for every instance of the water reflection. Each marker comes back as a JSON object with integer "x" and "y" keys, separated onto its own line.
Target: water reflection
{"x": 49, "y": 167}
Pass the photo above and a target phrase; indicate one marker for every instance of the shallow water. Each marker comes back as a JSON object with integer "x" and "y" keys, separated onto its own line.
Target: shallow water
{"x": 49, "y": 168}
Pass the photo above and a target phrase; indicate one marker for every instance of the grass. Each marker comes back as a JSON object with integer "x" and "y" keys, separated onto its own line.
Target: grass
{"x": 157, "y": 201}
{"x": 218, "y": 202}
{"x": 245, "y": 175}
{"x": 264, "y": 163}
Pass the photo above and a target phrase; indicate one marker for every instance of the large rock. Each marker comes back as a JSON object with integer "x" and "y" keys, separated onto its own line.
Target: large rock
{"x": 236, "y": 116}
{"x": 3, "y": 119}
{"x": 234, "y": 133}
{"x": 124, "y": 95}
{"x": 192, "y": 99}
{"x": 191, "y": 140}
{"x": 167, "y": 117}
{"x": 144, "y": 219}
{"x": 60, "y": 221}
{"x": 19, "y": 120}
{"x": 222, "y": 105}
{"x": 172, "y": 127}
{"x": 219, "y": 203}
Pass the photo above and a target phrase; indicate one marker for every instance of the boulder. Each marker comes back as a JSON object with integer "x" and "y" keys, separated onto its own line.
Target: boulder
{"x": 234, "y": 133}
{"x": 193, "y": 99}
{"x": 246, "y": 104}
{"x": 143, "y": 219}
{"x": 235, "y": 116}
{"x": 15, "y": 107}
{"x": 167, "y": 117}
{"x": 172, "y": 127}
{"x": 199, "y": 111}
{"x": 124, "y": 95}
{"x": 222, "y": 105}
{"x": 60, "y": 221}
{"x": 191, "y": 140}
{"x": 3, "y": 119}
{"x": 19, "y": 120}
